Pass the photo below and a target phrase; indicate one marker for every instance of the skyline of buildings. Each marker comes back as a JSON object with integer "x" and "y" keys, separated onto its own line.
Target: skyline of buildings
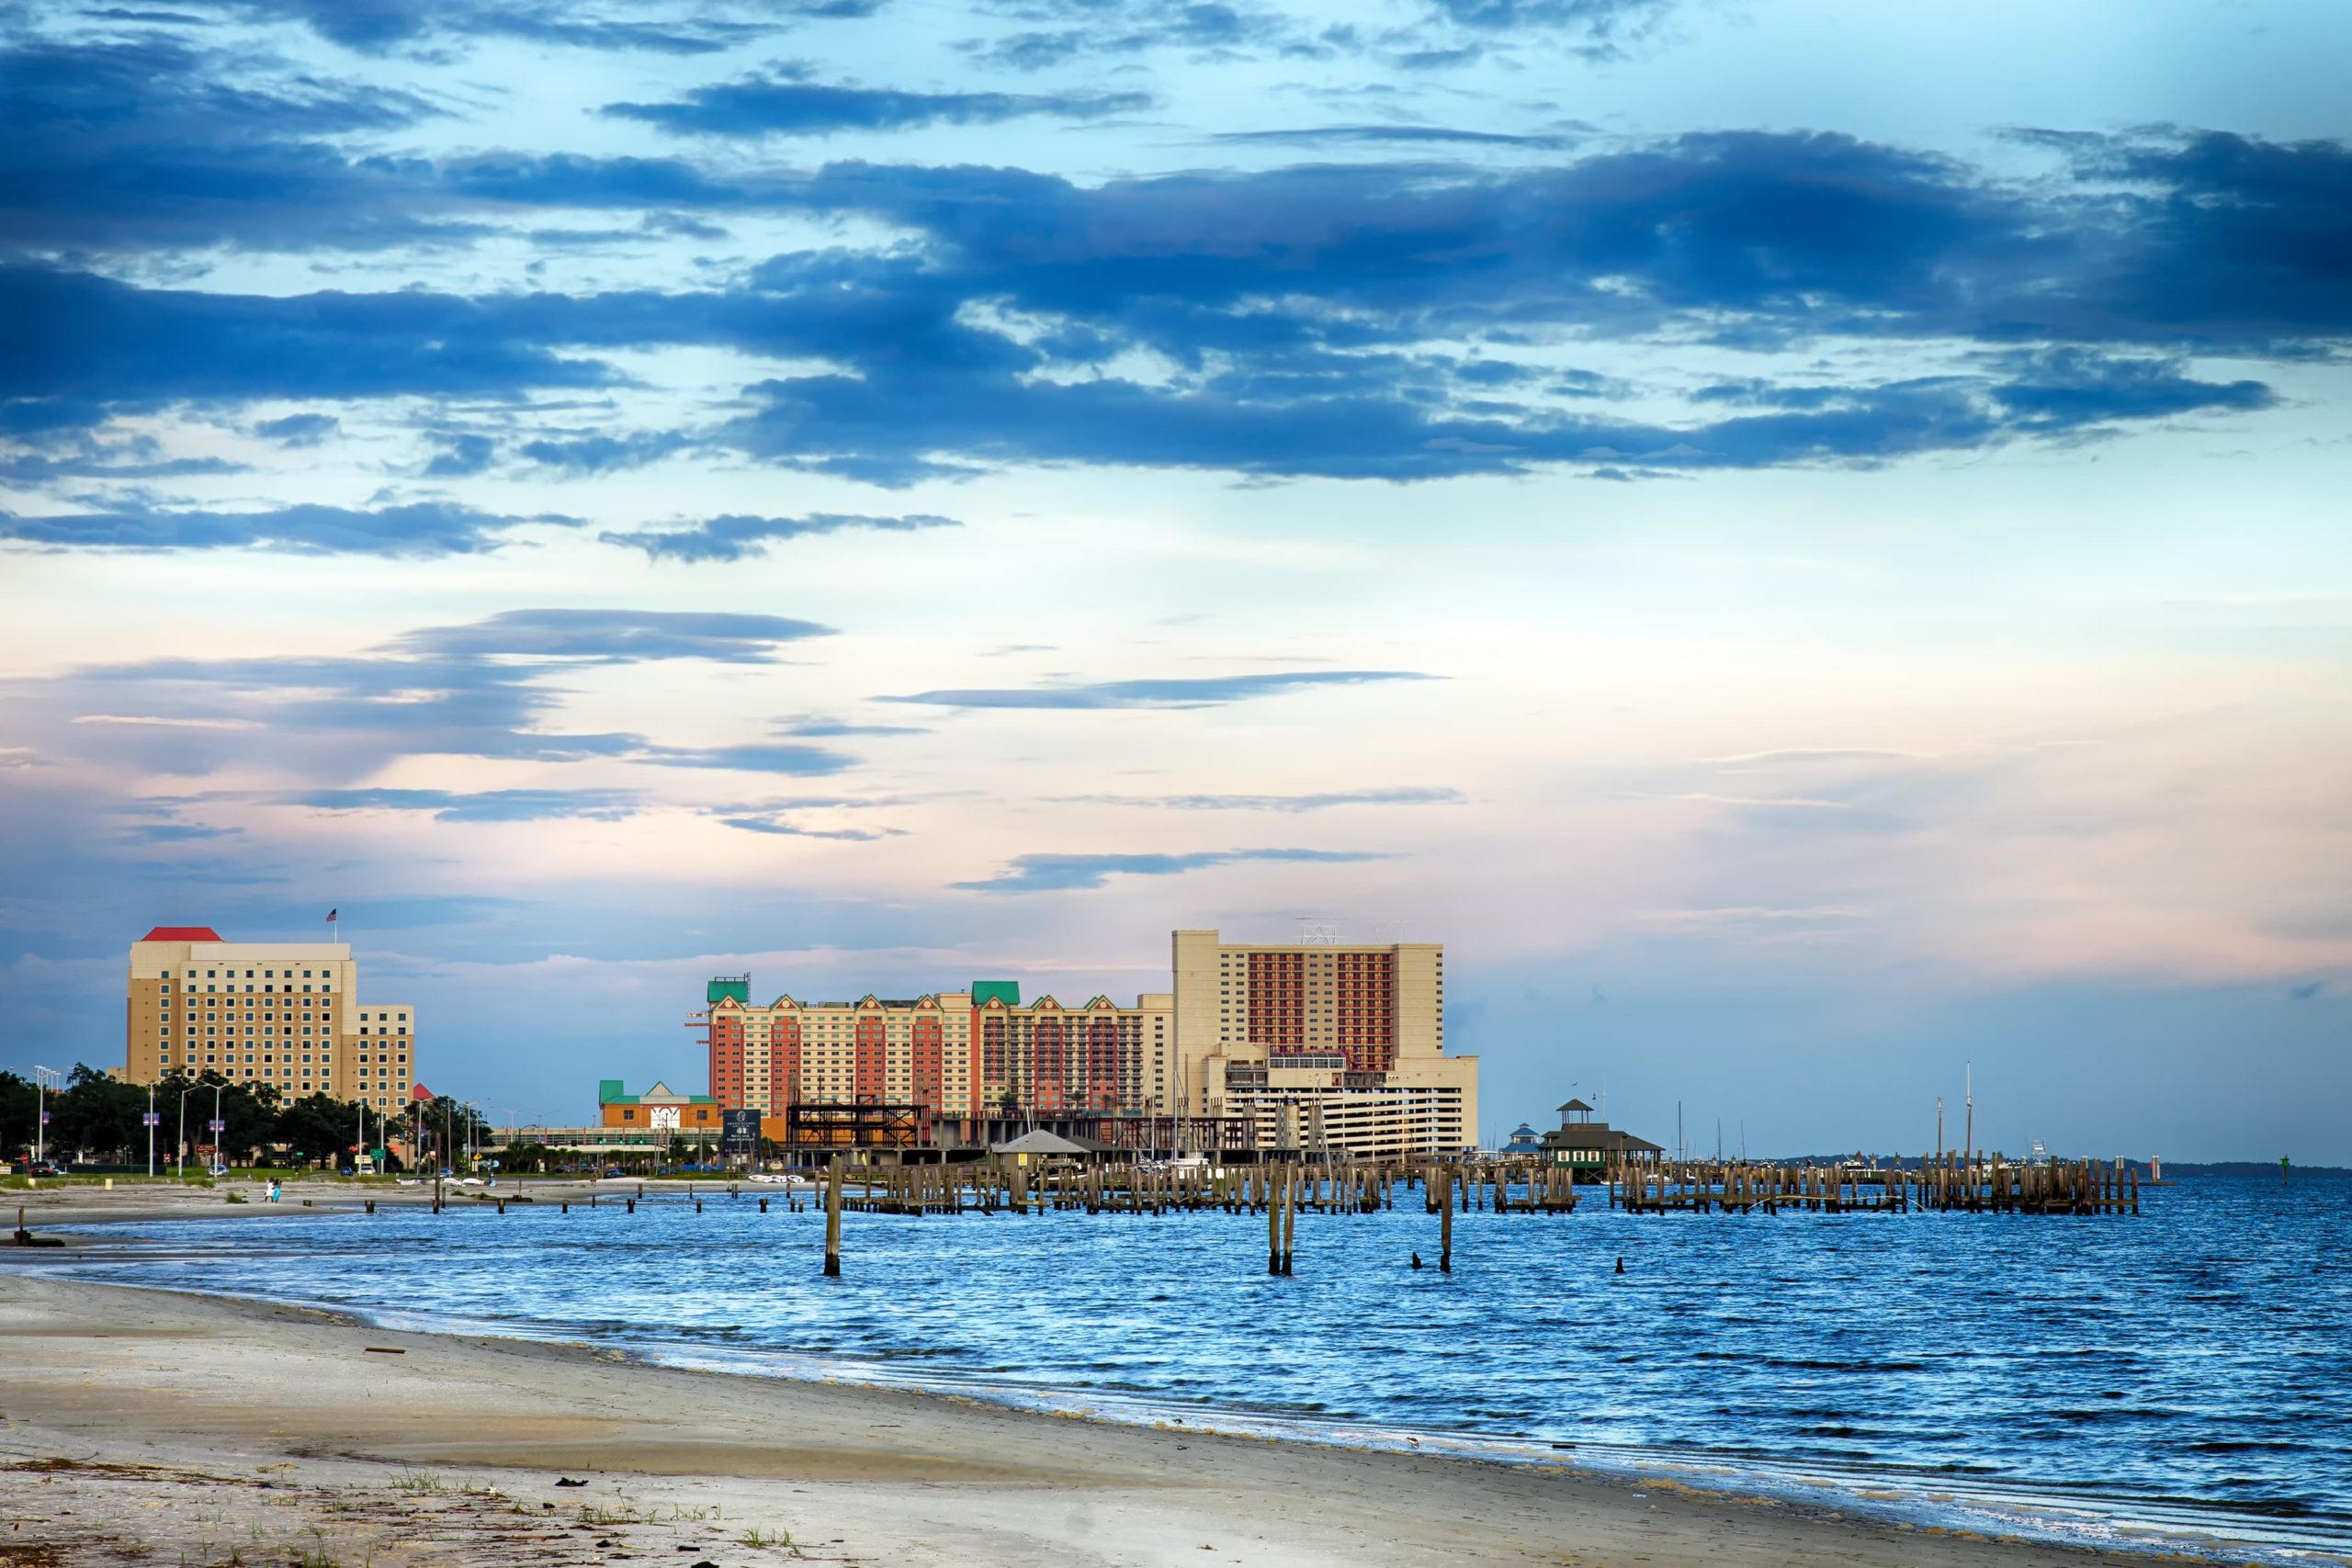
{"x": 1308, "y": 1043}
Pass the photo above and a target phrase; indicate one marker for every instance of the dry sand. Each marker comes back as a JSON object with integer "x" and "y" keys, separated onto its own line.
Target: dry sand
{"x": 142, "y": 1426}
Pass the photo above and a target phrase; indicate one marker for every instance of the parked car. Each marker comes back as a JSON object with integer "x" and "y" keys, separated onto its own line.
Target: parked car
{"x": 40, "y": 1167}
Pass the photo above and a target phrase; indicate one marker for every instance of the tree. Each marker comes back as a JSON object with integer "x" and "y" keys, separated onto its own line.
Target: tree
{"x": 97, "y": 1115}
{"x": 318, "y": 1126}
{"x": 16, "y": 1100}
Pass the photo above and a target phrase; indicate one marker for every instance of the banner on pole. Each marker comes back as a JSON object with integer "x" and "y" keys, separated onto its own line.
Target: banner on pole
{"x": 151, "y": 1120}
{"x": 218, "y": 1125}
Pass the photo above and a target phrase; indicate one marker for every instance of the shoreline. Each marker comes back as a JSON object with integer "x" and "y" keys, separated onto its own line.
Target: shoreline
{"x": 1373, "y": 1502}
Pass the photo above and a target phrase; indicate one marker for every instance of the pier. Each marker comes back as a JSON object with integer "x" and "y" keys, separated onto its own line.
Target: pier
{"x": 1986, "y": 1184}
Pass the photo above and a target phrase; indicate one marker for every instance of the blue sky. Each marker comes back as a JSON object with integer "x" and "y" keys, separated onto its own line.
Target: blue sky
{"x": 1804, "y": 541}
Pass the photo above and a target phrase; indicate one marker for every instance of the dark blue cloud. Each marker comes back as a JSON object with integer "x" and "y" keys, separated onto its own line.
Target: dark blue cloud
{"x": 420, "y": 528}
{"x": 615, "y": 637}
{"x": 1295, "y": 308}
{"x": 378, "y": 26}
{"x": 766, "y": 106}
{"x": 81, "y": 343}
{"x": 820, "y": 728}
{"x": 1209, "y": 690}
{"x": 772, "y": 757}
{"x": 173, "y": 833}
{"x": 580, "y": 455}
{"x": 463, "y": 454}
{"x": 144, "y": 143}
{"x": 1055, "y": 874}
{"x": 735, "y": 537}
{"x": 300, "y": 430}
{"x": 481, "y": 689}
{"x": 1070, "y": 29}
{"x": 1314, "y": 135}
{"x": 779, "y": 827}
{"x": 476, "y": 805}
{"x": 1598, "y": 22}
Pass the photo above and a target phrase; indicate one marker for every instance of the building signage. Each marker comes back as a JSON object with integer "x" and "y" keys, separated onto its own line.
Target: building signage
{"x": 739, "y": 1133}
{"x": 665, "y": 1116}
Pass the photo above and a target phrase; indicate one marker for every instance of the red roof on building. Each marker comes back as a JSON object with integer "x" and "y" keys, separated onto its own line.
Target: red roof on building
{"x": 182, "y": 933}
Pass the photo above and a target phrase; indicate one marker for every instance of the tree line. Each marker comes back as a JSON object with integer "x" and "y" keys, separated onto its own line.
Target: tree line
{"x": 96, "y": 1119}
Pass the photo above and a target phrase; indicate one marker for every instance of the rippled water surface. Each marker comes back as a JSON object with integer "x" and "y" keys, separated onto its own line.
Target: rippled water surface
{"x": 2193, "y": 1364}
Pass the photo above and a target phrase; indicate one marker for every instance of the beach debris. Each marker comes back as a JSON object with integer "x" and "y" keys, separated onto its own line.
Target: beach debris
{"x": 566, "y": 1480}
{"x": 385, "y": 1350}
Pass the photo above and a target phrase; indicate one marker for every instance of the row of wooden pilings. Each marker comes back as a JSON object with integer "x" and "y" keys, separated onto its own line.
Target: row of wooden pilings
{"x": 1951, "y": 1183}
{"x": 1281, "y": 1189}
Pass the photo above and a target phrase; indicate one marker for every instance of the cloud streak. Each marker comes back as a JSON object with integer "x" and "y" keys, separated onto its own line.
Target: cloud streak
{"x": 1210, "y": 691}
{"x": 766, "y": 105}
{"x": 1068, "y": 872}
{"x": 735, "y": 537}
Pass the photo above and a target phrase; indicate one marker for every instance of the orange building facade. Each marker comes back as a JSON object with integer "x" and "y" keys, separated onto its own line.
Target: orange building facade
{"x": 959, "y": 1056}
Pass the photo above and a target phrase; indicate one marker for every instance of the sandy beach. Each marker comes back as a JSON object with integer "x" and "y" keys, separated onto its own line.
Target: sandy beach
{"x": 145, "y": 1427}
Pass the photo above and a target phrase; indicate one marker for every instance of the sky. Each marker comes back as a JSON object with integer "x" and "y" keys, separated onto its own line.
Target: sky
{"x": 1804, "y": 541}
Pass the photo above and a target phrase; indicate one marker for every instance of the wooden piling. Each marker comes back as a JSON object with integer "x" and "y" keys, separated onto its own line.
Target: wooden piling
{"x": 833, "y": 1219}
{"x": 1445, "y": 1224}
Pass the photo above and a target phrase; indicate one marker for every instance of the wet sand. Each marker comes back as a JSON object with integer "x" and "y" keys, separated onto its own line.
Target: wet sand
{"x": 146, "y": 1428}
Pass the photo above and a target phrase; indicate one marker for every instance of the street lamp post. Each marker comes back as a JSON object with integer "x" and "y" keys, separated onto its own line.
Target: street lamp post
{"x": 180, "y": 1147}
{"x": 44, "y": 1079}
{"x": 220, "y": 1131}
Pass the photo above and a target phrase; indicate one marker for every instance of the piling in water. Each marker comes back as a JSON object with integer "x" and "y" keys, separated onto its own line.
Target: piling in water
{"x": 833, "y": 1219}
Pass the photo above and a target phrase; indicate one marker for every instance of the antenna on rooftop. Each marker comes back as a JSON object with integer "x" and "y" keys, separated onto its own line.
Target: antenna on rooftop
{"x": 1318, "y": 930}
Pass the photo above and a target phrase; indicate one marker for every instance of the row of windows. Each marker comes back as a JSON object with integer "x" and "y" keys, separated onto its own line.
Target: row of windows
{"x": 189, "y": 990}
{"x": 324, "y": 1057}
{"x": 266, "y": 974}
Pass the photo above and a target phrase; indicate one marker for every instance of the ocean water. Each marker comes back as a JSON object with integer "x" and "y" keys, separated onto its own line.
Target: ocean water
{"x": 2112, "y": 1379}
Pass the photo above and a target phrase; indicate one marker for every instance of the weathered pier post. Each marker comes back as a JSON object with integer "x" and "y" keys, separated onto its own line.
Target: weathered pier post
{"x": 833, "y": 1219}
{"x": 1290, "y": 1222}
{"x": 1445, "y": 1225}
{"x": 1273, "y": 1234}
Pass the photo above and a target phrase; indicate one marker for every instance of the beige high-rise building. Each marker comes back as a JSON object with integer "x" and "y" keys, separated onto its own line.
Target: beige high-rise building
{"x": 1335, "y": 1045}
{"x": 281, "y": 1013}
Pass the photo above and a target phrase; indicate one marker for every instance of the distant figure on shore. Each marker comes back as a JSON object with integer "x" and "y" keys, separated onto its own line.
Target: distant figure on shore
{"x": 273, "y": 1190}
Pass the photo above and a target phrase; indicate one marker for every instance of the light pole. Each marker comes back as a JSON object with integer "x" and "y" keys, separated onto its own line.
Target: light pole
{"x": 149, "y": 1119}
{"x": 180, "y": 1148}
{"x": 220, "y": 1131}
{"x": 44, "y": 1079}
